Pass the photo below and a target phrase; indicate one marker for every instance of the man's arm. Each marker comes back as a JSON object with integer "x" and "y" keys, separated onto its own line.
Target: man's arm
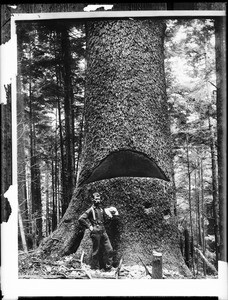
{"x": 84, "y": 220}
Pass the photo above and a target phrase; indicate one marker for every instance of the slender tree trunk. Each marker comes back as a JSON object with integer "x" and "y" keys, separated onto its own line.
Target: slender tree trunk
{"x": 53, "y": 216}
{"x": 187, "y": 247}
{"x": 199, "y": 205}
{"x": 34, "y": 167}
{"x": 197, "y": 218}
{"x": 58, "y": 198}
{"x": 189, "y": 200}
{"x": 21, "y": 165}
{"x": 79, "y": 146}
{"x": 22, "y": 232}
{"x": 69, "y": 125}
{"x": 63, "y": 165}
{"x": 21, "y": 170}
{"x": 56, "y": 183}
{"x": 35, "y": 185}
{"x": 38, "y": 202}
{"x": 203, "y": 212}
{"x": 189, "y": 189}
{"x": 57, "y": 167}
{"x": 29, "y": 197}
{"x": 220, "y": 46}
{"x": 53, "y": 212}
{"x": 215, "y": 189}
{"x": 47, "y": 200}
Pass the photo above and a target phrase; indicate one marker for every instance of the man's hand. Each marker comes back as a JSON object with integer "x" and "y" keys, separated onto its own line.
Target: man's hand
{"x": 91, "y": 228}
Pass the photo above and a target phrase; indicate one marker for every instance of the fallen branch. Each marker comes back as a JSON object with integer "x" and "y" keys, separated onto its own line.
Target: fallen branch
{"x": 81, "y": 259}
{"x": 206, "y": 261}
{"x": 147, "y": 270}
{"x": 212, "y": 84}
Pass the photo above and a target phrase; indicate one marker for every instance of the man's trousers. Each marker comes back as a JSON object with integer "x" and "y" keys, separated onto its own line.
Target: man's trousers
{"x": 101, "y": 241}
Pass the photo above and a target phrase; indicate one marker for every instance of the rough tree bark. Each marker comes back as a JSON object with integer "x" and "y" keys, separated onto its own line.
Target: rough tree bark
{"x": 214, "y": 189}
{"x": 22, "y": 193}
{"x": 203, "y": 211}
{"x": 35, "y": 171}
{"x": 187, "y": 247}
{"x": 21, "y": 164}
{"x": 69, "y": 123}
{"x": 126, "y": 134}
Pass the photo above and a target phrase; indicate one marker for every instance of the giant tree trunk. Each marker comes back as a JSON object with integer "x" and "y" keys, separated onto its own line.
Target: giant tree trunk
{"x": 126, "y": 138}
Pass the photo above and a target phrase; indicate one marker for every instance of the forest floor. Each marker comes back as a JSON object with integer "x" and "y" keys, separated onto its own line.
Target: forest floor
{"x": 31, "y": 266}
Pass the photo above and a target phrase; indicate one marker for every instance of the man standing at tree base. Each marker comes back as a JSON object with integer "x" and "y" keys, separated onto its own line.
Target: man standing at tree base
{"x": 94, "y": 219}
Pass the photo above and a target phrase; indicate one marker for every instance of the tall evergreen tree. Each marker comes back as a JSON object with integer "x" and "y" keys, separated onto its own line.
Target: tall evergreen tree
{"x": 126, "y": 120}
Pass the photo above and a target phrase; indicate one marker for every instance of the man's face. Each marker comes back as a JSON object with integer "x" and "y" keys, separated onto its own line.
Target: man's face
{"x": 97, "y": 199}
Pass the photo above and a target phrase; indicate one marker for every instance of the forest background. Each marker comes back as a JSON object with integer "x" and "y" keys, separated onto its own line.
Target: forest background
{"x": 52, "y": 64}
{"x": 56, "y": 206}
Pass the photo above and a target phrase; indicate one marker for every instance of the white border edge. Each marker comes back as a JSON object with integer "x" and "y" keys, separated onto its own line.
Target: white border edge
{"x": 118, "y": 14}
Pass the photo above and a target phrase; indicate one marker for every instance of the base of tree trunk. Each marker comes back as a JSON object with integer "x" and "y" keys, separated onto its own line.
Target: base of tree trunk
{"x": 139, "y": 229}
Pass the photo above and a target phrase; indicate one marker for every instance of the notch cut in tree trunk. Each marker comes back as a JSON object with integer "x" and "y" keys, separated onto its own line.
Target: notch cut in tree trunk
{"x": 125, "y": 163}
{"x": 157, "y": 265}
